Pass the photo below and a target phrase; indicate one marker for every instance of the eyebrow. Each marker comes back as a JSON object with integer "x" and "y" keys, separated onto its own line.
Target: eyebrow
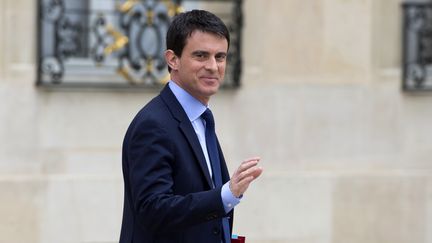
{"x": 200, "y": 52}
{"x": 207, "y": 53}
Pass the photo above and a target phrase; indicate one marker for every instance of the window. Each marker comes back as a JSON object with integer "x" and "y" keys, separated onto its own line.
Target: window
{"x": 119, "y": 44}
{"x": 417, "y": 46}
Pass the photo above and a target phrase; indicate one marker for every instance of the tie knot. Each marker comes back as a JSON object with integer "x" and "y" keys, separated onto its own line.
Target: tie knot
{"x": 208, "y": 118}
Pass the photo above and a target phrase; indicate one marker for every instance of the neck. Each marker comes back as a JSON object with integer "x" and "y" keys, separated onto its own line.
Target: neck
{"x": 203, "y": 100}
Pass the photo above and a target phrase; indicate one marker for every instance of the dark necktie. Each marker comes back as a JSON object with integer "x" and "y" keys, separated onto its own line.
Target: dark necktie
{"x": 215, "y": 162}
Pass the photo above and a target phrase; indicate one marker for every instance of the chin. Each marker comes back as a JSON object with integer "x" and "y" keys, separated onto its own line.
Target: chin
{"x": 211, "y": 88}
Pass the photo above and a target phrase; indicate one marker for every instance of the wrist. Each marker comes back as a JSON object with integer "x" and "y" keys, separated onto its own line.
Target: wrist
{"x": 228, "y": 199}
{"x": 237, "y": 195}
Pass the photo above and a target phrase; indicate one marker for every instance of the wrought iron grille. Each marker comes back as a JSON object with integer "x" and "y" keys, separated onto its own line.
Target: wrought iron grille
{"x": 120, "y": 43}
{"x": 417, "y": 46}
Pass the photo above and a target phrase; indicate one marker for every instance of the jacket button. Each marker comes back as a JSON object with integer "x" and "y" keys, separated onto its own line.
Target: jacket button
{"x": 216, "y": 230}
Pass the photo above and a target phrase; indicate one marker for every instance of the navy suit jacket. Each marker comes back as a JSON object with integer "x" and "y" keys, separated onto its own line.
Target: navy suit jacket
{"x": 168, "y": 192}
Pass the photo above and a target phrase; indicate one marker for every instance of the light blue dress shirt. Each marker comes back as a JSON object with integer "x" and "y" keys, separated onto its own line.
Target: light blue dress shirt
{"x": 194, "y": 109}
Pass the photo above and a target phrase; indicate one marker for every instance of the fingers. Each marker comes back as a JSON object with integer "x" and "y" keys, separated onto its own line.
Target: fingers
{"x": 245, "y": 165}
{"x": 245, "y": 182}
{"x": 257, "y": 159}
{"x": 247, "y": 172}
{"x": 257, "y": 172}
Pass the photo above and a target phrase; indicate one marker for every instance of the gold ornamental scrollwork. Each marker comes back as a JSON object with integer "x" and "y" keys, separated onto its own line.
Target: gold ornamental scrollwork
{"x": 173, "y": 8}
{"x": 120, "y": 40}
{"x": 127, "y": 5}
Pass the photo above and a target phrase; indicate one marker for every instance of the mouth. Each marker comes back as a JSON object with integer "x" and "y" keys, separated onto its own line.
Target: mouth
{"x": 210, "y": 79}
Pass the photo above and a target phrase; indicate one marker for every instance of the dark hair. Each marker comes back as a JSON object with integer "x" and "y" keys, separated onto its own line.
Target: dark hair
{"x": 185, "y": 23}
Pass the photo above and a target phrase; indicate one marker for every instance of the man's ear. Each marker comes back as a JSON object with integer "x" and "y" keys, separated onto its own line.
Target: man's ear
{"x": 171, "y": 59}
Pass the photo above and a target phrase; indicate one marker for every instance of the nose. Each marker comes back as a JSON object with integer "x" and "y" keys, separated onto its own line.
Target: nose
{"x": 211, "y": 64}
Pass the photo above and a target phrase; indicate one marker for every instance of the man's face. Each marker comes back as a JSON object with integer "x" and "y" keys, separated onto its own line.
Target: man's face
{"x": 201, "y": 68}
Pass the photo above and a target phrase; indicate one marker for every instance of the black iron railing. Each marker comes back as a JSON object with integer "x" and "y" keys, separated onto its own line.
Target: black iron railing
{"x": 119, "y": 43}
{"x": 417, "y": 46}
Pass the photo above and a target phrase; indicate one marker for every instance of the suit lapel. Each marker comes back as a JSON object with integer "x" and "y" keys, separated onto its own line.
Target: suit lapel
{"x": 224, "y": 169}
{"x": 190, "y": 135}
{"x": 186, "y": 127}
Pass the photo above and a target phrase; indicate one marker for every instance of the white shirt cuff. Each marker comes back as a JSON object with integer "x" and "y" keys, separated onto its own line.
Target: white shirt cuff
{"x": 228, "y": 199}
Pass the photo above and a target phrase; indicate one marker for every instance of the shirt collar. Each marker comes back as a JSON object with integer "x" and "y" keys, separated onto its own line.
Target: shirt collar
{"x": 193, "y": 107}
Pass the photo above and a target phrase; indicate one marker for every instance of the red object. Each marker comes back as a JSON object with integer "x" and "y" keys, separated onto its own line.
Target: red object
{"x": 240, "y": 239}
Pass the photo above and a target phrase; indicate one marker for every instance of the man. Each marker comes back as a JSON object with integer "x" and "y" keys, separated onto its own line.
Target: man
{"x": 177, "y": 186}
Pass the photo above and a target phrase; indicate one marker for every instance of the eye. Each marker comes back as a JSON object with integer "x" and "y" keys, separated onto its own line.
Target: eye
{"x": 221, "y": 57}
{"x": 200, "y": 55}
